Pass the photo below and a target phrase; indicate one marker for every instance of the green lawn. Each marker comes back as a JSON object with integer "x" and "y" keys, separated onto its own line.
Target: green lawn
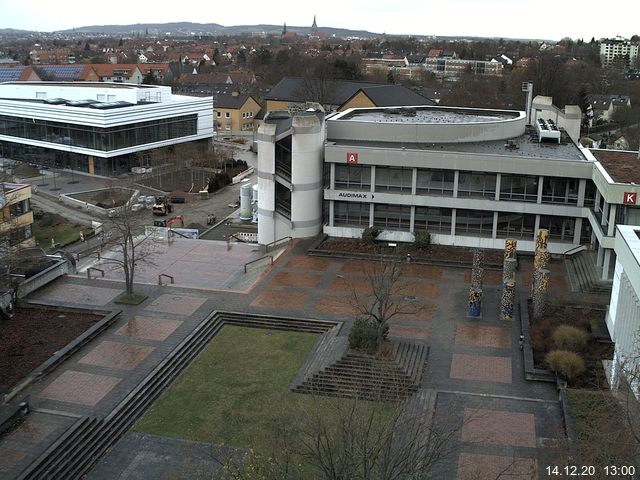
{"x": 235, "y": 392}
{"x": 63, "y": 234}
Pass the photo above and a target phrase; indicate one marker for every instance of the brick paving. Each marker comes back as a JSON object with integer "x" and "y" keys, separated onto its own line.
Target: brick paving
{"x": 79, "y": 387}
{"x": 148, "y": 328}
{"x": 481, "y": 368}
{"x": 176, "y": 304}
{"x": 121, "y": 356}
{"x": 31, "y": 431}
{"x": 295, "y": 280}
{"x": 283, "y": 299}
{"x": 489, "y": 277}
{"x": 499, "y": 428}
{"x": 472, "y": 365}
{"x": 481, "y": 336}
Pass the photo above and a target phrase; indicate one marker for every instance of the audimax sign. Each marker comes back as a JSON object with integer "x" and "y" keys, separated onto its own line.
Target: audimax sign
{"x": 359, "y": 195}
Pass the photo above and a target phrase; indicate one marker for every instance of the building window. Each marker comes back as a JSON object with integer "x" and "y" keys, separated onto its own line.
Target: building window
{"x": 474, "y": 222}
{"x": 283, "y": 200}
{"x": 515, "y": 225}
{"x": 351, "y": 213}
{"x": 218, "y": 114}
{"x": 560, "y": 190}
{"x": 353, "y": 177}
{"x": 392, "y": 217}
{"x": 227, "y": 115}
{"x": 519, "y": 188}
{"x": 433, "y": 220}
{"x": 393, "y": 179}
{"x": 439, "y": 182}
{"x": 560, "y": 228}
{"x": 477, "y": 184}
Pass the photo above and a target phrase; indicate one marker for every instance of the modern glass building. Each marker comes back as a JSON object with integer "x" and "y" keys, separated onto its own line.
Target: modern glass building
{"x": 96, "y": 127}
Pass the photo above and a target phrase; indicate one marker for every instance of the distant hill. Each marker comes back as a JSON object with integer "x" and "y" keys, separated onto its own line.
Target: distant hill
{"x": 190, "y": 28}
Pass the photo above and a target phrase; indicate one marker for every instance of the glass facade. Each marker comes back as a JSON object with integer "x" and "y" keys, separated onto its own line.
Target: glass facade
{"x": 394, "y": 179}
{"x": 474, "y": 222}
{"x": 95, "y": 138}
{"x": 560, "y": 228}
{"x": 351, "y": 214}
{"x": 392, "y": 217}
{"x": 560, "y": 190}
{"x": 516, "y": 225}
{"x": 477, "y": 184}
{"x": 353, "y": 177}
{"x": 433, "y": 220}
{"x": 523, "y": 188}
{"x": 434, "y": 181}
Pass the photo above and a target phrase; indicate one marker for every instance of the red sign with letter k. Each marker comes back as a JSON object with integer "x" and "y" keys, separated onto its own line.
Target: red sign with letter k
{"x": 630, "y": 198}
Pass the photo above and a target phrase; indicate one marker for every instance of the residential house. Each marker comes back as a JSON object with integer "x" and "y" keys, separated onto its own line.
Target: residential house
{"x": 618, "y": 52}
{"x": 119, "y": 73}
{"x": 296, "y": 93}
{"x": 604, "y": 105}
{"x": 18, "y": 73}
{"x": 234, "y": 113}
{"x": 66, "y": 73}
{"x": 385, "y": 96}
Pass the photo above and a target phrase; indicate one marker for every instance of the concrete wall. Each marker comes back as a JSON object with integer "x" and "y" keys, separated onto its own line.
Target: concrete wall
{"x": 568, "y": 118}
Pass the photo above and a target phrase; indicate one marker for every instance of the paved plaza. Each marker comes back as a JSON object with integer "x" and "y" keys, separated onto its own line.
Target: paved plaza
{"x": 474, "y": 365}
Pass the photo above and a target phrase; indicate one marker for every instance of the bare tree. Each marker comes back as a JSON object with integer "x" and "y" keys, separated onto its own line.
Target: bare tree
{"x": 387, "y": 296}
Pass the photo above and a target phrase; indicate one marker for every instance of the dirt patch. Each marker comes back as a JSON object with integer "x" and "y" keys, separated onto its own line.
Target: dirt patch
{"x": 32, "y": 336}
{"x": 585, "y": 318}
{"x": 105, "y": 198}
{"x": 442, "y": 253}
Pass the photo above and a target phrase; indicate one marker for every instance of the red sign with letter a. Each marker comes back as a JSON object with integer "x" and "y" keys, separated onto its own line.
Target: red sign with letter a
{"x": 352, "y": 157}
{"x": 630, "y": 198}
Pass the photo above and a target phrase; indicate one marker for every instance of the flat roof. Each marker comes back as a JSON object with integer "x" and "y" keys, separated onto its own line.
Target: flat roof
{"x": 426, "y": 115}
{"x": 525, "y": 146}
{"x": 622, "y": 166}
{"x": 84, "y": 84}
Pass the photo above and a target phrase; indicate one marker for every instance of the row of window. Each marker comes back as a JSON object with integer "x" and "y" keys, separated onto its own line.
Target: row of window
{"x": 228, "y": 114}
{"x": 438, "y": 220}
{"x": 96, "y": 138}
{"x": 470, "y": 184}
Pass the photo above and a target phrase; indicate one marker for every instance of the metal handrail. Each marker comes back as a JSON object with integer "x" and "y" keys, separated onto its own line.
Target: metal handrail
{"x": 257, "y": 260}
{"x": 266, "y": 247}
{"x": 573, "y": 250}
{"x": 96, "y": 269}
{"x": 171, "y": 279}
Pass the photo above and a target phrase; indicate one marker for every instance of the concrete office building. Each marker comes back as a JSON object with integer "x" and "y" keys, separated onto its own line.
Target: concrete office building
{"x": 623, "y": 315}
{"x": 96, "y": 127}
{"x": 470, "y": 177}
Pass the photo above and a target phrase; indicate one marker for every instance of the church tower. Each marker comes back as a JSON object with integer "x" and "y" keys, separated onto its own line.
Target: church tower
{"x": 314, "y": 27}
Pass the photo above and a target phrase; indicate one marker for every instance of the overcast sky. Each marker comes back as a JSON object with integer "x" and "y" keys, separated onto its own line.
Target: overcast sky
{"x": 547, "y": 19}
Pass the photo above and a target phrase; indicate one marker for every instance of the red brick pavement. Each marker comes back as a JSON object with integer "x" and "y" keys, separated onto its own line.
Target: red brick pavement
{"x": 336, "y": 305}
{"x": 409, "y": 333}
{"x": 123, "y": 356}
{"x": 295, "y": 280}
{"x": 148, "y": 328}
{"x": 358, "y": 266}
{"x": 351, "y": 284}
{"x": 422, "y": 313}
{"x": 424, "y": 272}
{"x": 481, "y": 368}
{"x": 499, "y": 428}
{"x": 308, "y": 263}
{"x": 490, "y": 277}
{"x": 280, "y": 299}
{"x": 481, "y": 336}
{"x": 79, "y": 387}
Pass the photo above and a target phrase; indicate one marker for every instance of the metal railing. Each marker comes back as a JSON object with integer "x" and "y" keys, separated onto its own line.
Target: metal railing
{"x": 266, "y": 247}
{"x": 257, "y": 260}
{"x": 171, "y": 279}
{"x": 96, "y": 269}
{"x": 573, "y": 250}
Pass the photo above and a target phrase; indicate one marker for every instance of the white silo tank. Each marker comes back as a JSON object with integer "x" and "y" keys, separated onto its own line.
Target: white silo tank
{"x": 245, "y": 202}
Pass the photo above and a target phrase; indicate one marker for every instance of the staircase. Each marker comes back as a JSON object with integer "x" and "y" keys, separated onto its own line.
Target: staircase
{"x": 584, "y": 275}
{"x": 363, "y": 376}
{"x": 73, "y": 454}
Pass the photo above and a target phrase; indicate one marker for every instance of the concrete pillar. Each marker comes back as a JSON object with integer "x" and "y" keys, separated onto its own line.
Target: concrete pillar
{"x": 373, "y": 179}
{"x": 582, "y": 188}
{"x": 536, "y": 227}
{"x": 540, "y": 295}
{"x": 498, "y": 181}
{"x": 494, "y": 231}
{"x": 414, "y": 182}
{"x": 331, "y": 212}
{"x": 605, "y": 264}
{"x": 90, "y": 165}
{"x": 332, "y": 176}
{"x": 371, "y": 214}
{"x": 475, "y": 302}
{"x": 599, "y": 256}
{"x": 453, "y": 222}
{"x": 456, "y": 178}
{"x": 540, "y": 185}
{"x": 412, "y": 221}
{"x": 577, "y": 230}
{"x": 611, "y": 231}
